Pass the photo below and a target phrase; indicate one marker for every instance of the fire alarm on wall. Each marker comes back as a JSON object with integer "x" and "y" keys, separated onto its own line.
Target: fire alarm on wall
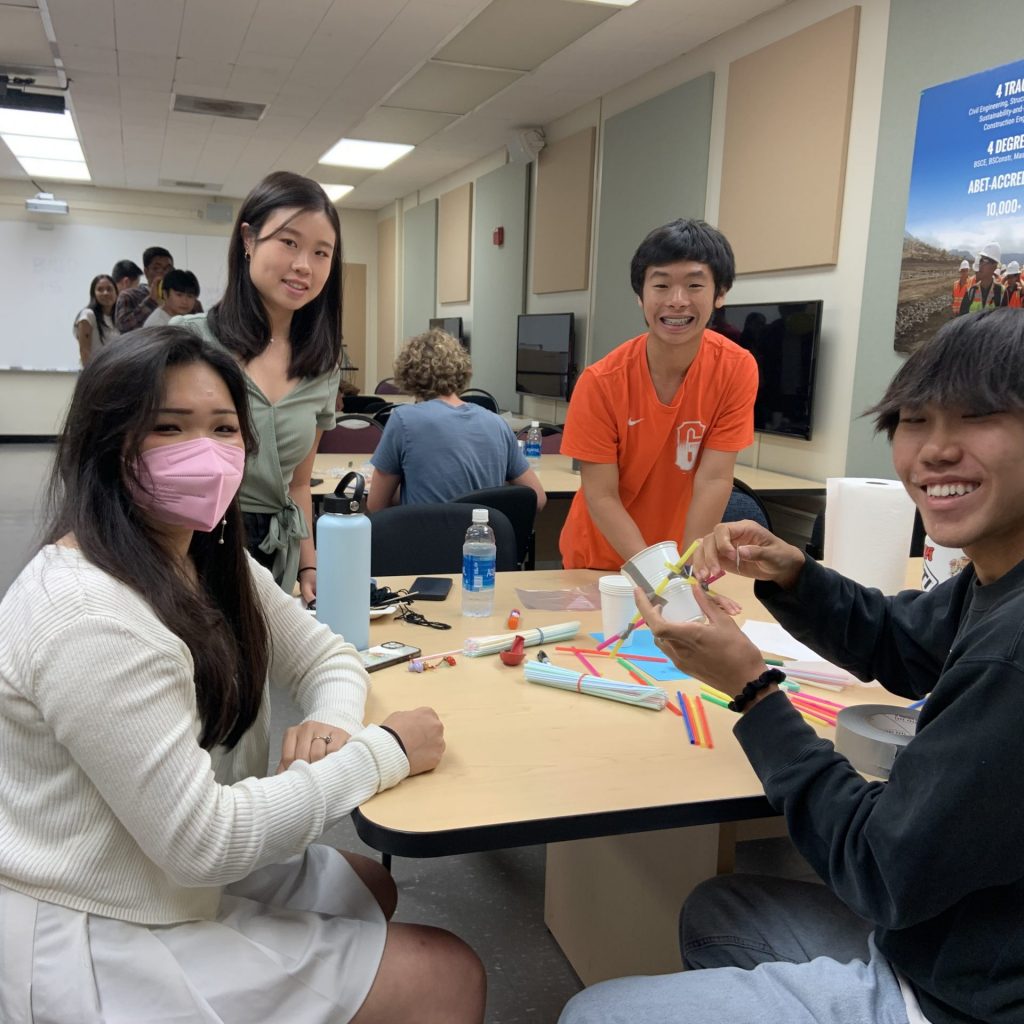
{"x": 498, "y": 238}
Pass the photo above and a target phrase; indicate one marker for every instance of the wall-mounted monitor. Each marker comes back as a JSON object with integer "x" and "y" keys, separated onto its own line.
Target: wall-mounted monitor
{"x": 545, "y": 354}
{"x": 783, "y": 338}
{"x": 451, "y": 325}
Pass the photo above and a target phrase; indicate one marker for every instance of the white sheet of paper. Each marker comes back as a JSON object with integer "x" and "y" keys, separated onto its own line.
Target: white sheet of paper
{"x": 773, "y": 639}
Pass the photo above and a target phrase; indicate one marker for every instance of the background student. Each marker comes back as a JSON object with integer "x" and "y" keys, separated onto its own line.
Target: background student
{"x": 657, "y": 423}
{"x": 442, "y": 447}
{"x": 923, "y": 920}
{"x": 126, "y": 275}
{"x": 179, "y": 292}
{"x": 94, "y": 325}
{"x": 280, "y": 317}
{"x": 135, "y": 304}
{"x": 149, "y": 867}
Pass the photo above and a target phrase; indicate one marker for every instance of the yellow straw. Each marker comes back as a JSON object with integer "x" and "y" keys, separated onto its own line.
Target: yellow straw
{"x": 715, "y": 693}
{"x": 815, "y": 720}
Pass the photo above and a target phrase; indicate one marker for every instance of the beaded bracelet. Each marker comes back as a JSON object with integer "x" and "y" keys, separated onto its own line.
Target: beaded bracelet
{"x": 752, "y": 689}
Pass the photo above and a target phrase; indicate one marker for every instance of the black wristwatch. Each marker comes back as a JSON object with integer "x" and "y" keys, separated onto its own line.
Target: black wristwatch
{"x": 752, "y": 689}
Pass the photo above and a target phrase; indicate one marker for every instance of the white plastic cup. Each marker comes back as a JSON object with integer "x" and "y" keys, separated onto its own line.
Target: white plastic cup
{"x": 650, "y": 564}
{"x": 681, "y": 605}
{"x": 940, "y": 564}
{"x": 617, "y": 605}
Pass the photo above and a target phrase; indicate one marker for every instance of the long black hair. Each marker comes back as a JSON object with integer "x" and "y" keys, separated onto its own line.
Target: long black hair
{"x": 113, "y": 409}
{"x": 239, "y": 320}
{"x": 97, "y": 309}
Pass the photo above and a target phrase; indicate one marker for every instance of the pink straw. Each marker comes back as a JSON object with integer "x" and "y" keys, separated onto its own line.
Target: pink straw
{"x": 830, "y": 705}
{"x": 586, "y": 664}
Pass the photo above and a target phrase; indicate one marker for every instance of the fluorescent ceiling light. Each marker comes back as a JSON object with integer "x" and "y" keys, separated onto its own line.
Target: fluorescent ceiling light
{"x": 363, "y": 153}
{"x": 47, "y": 149}
{"x": 335, "y": 192}
{"x": 70, "y": 170}
{"x": 30, "y": 122}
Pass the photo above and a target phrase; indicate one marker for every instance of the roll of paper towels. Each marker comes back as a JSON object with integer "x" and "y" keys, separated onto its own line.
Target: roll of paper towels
{"x": 868, "y": 526}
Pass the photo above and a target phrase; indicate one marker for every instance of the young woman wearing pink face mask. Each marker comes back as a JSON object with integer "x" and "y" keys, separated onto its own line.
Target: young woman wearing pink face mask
{"x": 143, "y": 838}
{"x": 280, "y": 317}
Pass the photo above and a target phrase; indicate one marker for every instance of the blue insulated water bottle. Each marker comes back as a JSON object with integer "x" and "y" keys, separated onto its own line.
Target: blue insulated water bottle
{"x": 343, "y": 564}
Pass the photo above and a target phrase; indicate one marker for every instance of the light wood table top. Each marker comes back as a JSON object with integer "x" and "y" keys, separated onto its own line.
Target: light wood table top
{"x": 558, "y": 479}
{"x": 530, "y": 764}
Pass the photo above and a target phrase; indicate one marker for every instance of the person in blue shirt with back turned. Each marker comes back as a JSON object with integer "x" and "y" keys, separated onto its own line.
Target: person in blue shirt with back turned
{"x": 921, "y": 918}
{"x": 442, "y": 447}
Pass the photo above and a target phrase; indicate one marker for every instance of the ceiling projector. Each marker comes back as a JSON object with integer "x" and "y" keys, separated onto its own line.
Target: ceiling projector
{"x": 43, "y": 202}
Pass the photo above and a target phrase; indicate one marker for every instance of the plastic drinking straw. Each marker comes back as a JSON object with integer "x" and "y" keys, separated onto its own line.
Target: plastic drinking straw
{"x": 704, "y": 727}
{"x": 830, "y": 705}
{"x": 816, "y": 683}
{"x": 917, "y": 704}
{"x": 685, "y": 717}
{"x": 644, "y": 682}
{"x": 714, "y": 700}
{"x": 716, "y": 693}
{"x": 586, "y": 664}
{"x": 694, "y": 720}
{"x": 813, "y": 709}
{"x": 608, "y": 654}
{"x": 814, "y": 719}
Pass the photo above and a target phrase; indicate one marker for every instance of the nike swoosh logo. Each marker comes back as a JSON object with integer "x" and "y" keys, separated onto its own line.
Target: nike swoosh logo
{"x": 633, "y": 423}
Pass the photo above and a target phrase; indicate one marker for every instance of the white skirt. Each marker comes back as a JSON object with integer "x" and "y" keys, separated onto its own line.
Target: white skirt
{"x": 299, "y": 941}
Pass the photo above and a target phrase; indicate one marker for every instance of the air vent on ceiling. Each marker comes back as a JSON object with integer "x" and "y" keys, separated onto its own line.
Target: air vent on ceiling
{"x": 194, "y": 186}
{"x": 218, "y": 108}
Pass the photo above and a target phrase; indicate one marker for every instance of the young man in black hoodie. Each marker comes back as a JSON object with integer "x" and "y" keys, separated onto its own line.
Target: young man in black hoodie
{"x": 925, "y": 918}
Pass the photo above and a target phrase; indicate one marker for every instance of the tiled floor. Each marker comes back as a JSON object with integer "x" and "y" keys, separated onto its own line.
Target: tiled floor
{"x": 493, "y": 900}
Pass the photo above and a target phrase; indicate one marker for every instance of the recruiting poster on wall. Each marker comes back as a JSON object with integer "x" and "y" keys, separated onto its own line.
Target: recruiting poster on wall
{"x": 966, "y": 198}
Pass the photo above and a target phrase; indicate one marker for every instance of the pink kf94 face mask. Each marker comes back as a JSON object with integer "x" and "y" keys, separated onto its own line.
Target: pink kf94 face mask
{"x": 190, "y": 483}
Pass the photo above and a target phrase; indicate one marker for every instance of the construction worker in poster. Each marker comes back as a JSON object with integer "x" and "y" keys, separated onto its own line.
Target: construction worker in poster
{"x": 960, "y": 286}
{"x": 1013, "y": 293}
{"x": 985, "y": 292}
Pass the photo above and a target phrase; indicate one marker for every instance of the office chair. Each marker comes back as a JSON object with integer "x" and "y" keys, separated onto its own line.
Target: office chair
{"x": 366, "y": 404}
{"x": 387, "y": 387}
{"x": 398, "y": 539}
{"x": 477, "y": 396}
{"x": 519, "y": 504}
{"x": 550, "y": 438}
{"x": 382, "y": 412}
{"x": 354, "y": 433}
{"x": 745, "y": 503}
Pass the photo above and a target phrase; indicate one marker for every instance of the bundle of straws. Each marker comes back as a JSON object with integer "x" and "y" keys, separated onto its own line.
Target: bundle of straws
{"x": 546, "y": 674}
{"x": 477, "y": 646}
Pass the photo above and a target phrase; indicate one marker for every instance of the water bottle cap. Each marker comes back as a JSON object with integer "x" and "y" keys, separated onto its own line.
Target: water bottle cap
{"x": 534, "y": 423}
{"x": 339, "y": 502}
{"x": 480, "y": 515}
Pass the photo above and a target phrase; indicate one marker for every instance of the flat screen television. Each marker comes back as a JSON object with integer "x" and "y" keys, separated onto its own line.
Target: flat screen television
{"x": 451, "y": 325}
{"x": 783, "y": 338}
{"x": 545, "y": 354}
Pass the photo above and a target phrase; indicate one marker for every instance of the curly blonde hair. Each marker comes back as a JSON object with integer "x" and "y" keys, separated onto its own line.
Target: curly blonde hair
{"x": 432, "y": 364}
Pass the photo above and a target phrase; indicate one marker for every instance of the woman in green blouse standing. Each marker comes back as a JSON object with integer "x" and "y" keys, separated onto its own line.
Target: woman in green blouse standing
{"x": 280, "y": 317}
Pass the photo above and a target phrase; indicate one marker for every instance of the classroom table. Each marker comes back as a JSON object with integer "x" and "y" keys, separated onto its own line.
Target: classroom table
{"x": 560, "y": 481}
{"x": 528, "y": 764}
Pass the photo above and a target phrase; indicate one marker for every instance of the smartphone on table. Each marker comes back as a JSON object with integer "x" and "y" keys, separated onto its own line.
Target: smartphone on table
{"x": 430, "y": 588}
{"x": 391, "y": 652}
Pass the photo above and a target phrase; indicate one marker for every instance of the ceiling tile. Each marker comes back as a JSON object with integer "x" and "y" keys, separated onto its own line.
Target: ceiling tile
{"x": 208, "y": 73}
{"x": 395, "y": 124}
{"x": 283, "y": 28}
{"x": 82, "y": 24}
{"x": 523, "y": 33}
{"x": 148, "y": 26}
{"x": 24, "y": 41}
{"x": 214, "y": 32}
{"x": 450, "y": 88}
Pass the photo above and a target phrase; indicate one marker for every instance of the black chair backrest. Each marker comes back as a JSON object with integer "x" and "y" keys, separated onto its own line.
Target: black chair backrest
{"x": 362, "y": 403}
{"x": 387, "y": 387}
{"x": 550, "y": 437}
{"x": 382, "y": 412}
{"x": 746, "y": 503}
{"x": 353, "y": 432}
{"x": 477, "y": 396}
{"x": 517, "y": 502}
{"x": 398, "y": 539}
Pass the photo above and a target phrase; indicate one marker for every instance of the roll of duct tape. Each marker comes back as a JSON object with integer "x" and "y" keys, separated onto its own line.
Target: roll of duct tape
{"x": 871, "y": 736}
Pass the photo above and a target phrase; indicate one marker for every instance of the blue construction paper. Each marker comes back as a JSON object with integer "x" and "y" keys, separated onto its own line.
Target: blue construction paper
{"x": 643, "y": 643}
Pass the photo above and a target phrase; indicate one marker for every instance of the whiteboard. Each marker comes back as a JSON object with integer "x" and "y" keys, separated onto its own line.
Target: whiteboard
{"x": 45, "y": 270}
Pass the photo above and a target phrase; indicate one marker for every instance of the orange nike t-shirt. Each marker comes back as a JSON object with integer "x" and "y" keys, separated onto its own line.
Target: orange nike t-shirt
{"x": 615, "y": 416}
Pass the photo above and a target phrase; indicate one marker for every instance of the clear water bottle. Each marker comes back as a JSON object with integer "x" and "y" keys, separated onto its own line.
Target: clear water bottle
{"x": 478, "y": 558}
{"x": 343, "y": 560}
{"x": 532, "y": 447}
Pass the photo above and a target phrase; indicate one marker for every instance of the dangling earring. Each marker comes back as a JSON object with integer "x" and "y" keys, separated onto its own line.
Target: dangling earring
{"x": 248, "y": 256}
{"x": 223, "y": 526}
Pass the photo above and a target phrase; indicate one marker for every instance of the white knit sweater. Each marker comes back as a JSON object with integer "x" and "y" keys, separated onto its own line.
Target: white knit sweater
{"x": 107, "y": 802}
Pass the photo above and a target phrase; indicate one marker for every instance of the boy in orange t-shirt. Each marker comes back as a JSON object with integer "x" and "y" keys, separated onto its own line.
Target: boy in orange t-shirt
{"x": 657, "y": 423}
